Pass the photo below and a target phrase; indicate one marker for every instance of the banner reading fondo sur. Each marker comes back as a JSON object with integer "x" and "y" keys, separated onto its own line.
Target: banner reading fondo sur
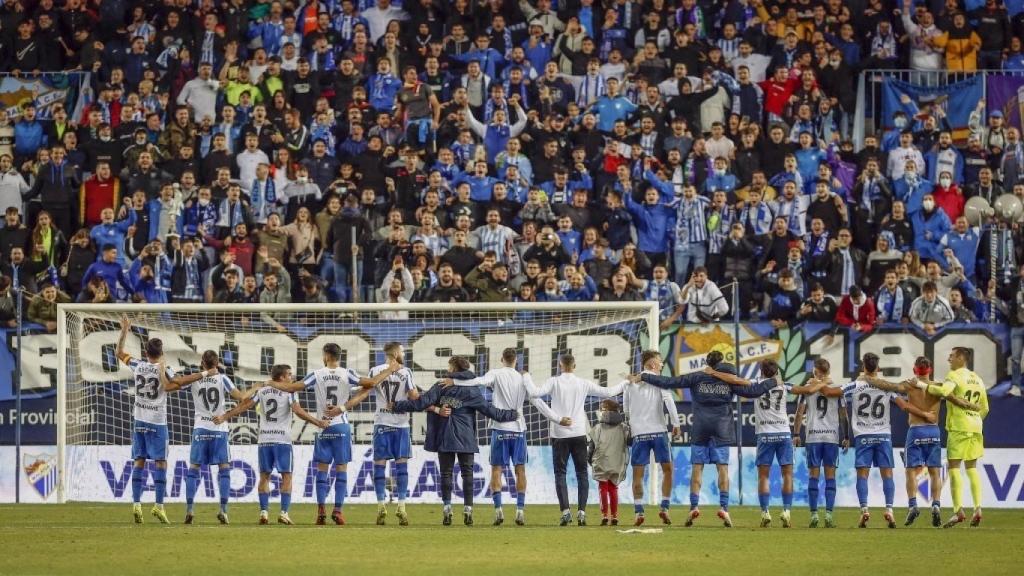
{"x": 104, "y": 475}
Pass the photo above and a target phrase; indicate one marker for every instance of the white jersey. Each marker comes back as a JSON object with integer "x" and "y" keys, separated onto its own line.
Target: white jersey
{"x": 645, "y": 407}
{"x": 394, "y": 388}
{"x": 275, "y": 410}
{"x": 511, "y": 390}
{"x": 822, "y": 415}
{"x": 871, "y": 408}
{"x": 209, "y": 395}
{"x": 770, "y": 412}
{"x": 331, "y": 386}
{"x": 568, "y": 399}
{"x": 150, "y": 396}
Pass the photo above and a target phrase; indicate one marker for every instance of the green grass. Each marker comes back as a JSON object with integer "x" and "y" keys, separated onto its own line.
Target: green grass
{"x": 95, "y": 539}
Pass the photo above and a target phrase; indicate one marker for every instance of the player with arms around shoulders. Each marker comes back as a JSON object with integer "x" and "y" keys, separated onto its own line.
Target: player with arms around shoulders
{"x": 275, "y": 437}
{"x": 209, "y": 440}
{"x": 391, "y": 439}
{"x": 645, "y": 407}
{"x": 152, "y": 380}
{"x": 923, "y": 445}
{"x": 968, "y": 405}
{"x": 872, "y": 435}
{"x": 331, "y": 386}
{"x": 828, "y": 428}
{"x": 713, "y": 430}
{"x": 508, "y": 439}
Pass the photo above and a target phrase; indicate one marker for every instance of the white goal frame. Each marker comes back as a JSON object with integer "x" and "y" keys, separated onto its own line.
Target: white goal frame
{"x": 650, "y": 308}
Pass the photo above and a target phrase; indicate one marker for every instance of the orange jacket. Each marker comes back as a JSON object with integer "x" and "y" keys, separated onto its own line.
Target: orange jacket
{"x": 961, "y": 53}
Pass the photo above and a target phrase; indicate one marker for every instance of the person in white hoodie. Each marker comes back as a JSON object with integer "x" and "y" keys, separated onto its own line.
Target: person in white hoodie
{"x": 569, "y": 431}
{"x": 12, "y": 184}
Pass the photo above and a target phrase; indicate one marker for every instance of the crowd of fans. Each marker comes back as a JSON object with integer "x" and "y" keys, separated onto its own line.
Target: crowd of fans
{"x": 539, "y": 150}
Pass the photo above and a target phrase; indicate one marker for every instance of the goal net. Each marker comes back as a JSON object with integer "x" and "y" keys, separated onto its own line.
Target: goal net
{"x": 96, "y": 392}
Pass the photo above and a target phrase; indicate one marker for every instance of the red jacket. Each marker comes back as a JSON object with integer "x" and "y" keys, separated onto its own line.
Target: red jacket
{"x": 950, "y": 200}
{"x": 865, "y": 315}
{"x": 95, "y": 195}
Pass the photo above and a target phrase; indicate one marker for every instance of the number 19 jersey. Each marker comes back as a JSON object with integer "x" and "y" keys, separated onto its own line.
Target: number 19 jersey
{"x": 275, "y": 410}
{"x": 209, "y": 395}
{"x": 331, "y": 386}
{"x": 394, "y": 388}
{"x": 770, "y": 411}
{"x": 872, "y": 408}
{"x": 150, "y": 404}
{"x": 823, "y": 417}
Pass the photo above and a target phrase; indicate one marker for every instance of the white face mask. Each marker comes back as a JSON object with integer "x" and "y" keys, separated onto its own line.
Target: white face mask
{"x": 719, "y": 172}
{"x": 911, "y": 176}
{"x": 945, "y": 182}
{"x": 928, "y": 205}
{"x": 303, "y": 179}
{"x": 204, "y": 201}
{"x": 551, "y": 292}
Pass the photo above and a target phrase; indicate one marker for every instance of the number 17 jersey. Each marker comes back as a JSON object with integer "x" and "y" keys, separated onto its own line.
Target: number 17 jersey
{"x": 871, "y": 408}
{"x": 394, "y": 388}
{"x": 331, "y": 386}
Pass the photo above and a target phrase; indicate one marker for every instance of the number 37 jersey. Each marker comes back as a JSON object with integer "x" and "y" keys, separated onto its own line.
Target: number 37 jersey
{"x": 150, "y": 403}
{"x": 209, "y": 396}
{"x": 871, "y": 408}
{"x": 331, "y": 386}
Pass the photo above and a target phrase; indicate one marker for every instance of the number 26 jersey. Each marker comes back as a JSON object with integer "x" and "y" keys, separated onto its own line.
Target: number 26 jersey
{"x": 871, "y": 408}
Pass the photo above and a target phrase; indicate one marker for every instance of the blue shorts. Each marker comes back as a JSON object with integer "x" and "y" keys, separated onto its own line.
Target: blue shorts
{"x": 924, "y": 447}
{"x": 508, "y": 448}
{"x": 209, "y": 447}
{"x": 391, "y": 443}
{"x": 710, "y": 453}
{"x": 640, "y": 453}
{"x": 275, "y": 456}
{"x": 771, "y": 447}
{"x": 873, "y": 450}
{"x": 333, "y": 444}
{"x": 149, "y": 441}
{"x": 822, "y": 454}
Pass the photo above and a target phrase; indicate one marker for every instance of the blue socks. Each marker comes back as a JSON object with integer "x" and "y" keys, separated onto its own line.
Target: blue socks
{"x": 936, "y": 503}
{"x": 889, "y": 490}
{"x": 912, "y": 502}
{"x": 830, "y": 493}
{"x": 191, "y": 485}
{"x": 496, "y": 497}
{"x": 694, "y": 500}
{"x": 862, "y": 491}
{"x": 787, "y": 500}
{"x": 812, "y": 493}
{"x": 402, "y": 479}
{"x": 160, "y": 483}
{"x": 664, "y": 503}
{"x": 224, "y": 484}
{"x": 137, "y": 476}
{"x": 723, "y": 501}
{"x": 378, "y": 481}
{"x": 340, "y": 489}
{"x": 321, "y": 486}
{"x": 286, "y": 502}
{"x": 763, "y": 498}
{"x": 264, "y": 501}
{"x": 521, "y": 500}
{"x": 638, "y": 508}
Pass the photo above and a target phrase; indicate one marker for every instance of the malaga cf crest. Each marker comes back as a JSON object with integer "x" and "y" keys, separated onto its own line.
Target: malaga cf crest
{"x": 41, "y": 472}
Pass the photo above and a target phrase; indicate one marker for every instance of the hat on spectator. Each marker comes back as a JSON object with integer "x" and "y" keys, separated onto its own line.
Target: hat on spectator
{"x": 996, "y": 114}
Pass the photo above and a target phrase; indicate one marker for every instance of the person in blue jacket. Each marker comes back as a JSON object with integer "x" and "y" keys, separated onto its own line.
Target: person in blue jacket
{"x": 451, "y": 431}
{"x": 29, "y": 135}
{"x": 655, "y": 218}
{"x": 930, "y": 225}
{"x": 713, "y": 432}
{"x": 110, "y": 232}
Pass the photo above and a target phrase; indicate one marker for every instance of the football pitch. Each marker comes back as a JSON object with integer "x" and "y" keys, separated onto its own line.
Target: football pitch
{"x": 100, "y": 539}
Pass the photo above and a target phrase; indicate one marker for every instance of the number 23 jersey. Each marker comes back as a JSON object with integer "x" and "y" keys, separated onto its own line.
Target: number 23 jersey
{"x": 209, "y": 395}
{"x": 871, "y": 408}
{"x": 150, "y": 403}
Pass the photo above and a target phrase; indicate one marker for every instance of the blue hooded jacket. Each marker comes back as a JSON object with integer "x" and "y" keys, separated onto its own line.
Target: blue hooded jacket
{"x": 457, "y": 433}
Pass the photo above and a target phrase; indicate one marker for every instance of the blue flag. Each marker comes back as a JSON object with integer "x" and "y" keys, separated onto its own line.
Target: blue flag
{"x": 956, "y": 100}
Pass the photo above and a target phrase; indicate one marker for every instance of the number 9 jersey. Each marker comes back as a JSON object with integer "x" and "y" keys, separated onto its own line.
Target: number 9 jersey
{"x": 209, "y": 395}
{"x": 150, "y": 403}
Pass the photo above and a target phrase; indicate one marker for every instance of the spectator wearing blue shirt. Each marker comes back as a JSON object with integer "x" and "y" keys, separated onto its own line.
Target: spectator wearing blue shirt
{"x": 29, "y": 135}
{"x": 930, "y": 225}
{"x": 911, "y": 189}
{"x": 491, "y": 61}
{"x": 655, "y": 217}
{"x": 720, "y": 179}
{"x": 110, "y": 232}
{"x": 611, "y": 107}
{"x": 808, "y": 157}
{"x": 108, "y": 268}
{"x": 571, "y": 239}
{"x": 480, "y": 184}
{"x": 383, "y": 87}
{"x": 963, "y": 240}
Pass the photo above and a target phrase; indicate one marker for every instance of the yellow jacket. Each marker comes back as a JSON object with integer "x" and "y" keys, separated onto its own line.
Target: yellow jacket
{"x": 961, "y": 53}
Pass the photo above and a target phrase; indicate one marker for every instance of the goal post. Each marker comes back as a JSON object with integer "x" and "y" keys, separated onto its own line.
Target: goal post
{"x": 95, "y": 393}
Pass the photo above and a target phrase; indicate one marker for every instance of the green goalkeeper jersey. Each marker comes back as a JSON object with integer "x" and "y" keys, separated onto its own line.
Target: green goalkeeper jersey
{"x": 966, "y": 385}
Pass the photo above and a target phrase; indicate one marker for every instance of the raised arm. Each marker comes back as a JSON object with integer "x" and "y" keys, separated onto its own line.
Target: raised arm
{"x": 730, "y": 379}
{"x": 178, "y": 382}
{"x": 875, "y": 382}
{"x": 371, "y": 382}
{"x": 670, "y": 382}
{"x": 606, "y": 392}
{"x": 755, "y": 390}
{"x": 945, "y": 389}
{"x": 479, "y": 128}
{"x": 485, "y": 380}
{"x": 123, "y": 355}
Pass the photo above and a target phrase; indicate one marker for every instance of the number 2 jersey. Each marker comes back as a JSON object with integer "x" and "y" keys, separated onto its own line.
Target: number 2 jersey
{"x": 275, "y": 410}
{"x": 150, "y": 403}
{"x": 871, "y": 408}
{"x": 822, "y": 415}
{"x": 209, "y": 395}
{"x": 331, "y": 386}
{"x": 394, "y": 388}
{"x": 771, "y": 416}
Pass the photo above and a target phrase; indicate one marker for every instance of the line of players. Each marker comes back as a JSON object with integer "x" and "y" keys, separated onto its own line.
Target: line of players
{"x": 822, "y": 401}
